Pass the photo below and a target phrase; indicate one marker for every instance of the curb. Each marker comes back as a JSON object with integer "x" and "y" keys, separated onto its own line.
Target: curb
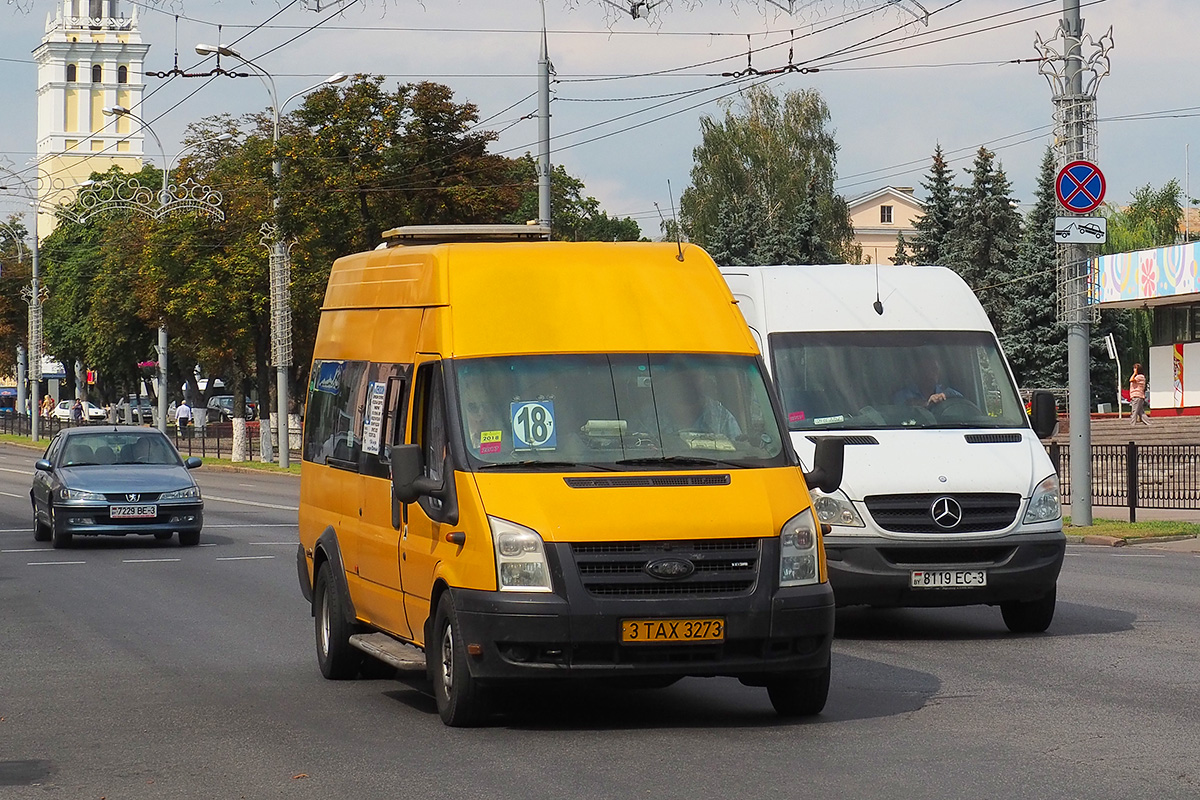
{"x": 1119, "y": 541}
{"x": 1171, "y": 537}
{"x": 1106, "y": 541}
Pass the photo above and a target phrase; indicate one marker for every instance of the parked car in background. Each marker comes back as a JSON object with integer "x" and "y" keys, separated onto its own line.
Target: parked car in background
{"x": 222, "y": 404}
{"x": 114, "y": 481}
{"x": 142, "y": 409}
{"x": 91, "y": 413}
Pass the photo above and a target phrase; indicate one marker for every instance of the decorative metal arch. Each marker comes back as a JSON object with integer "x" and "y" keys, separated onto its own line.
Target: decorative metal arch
{"x": 126, "y": 193}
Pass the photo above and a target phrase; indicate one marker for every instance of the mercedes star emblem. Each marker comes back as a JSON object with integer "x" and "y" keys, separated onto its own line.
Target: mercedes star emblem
{"x": 946, "y": 512}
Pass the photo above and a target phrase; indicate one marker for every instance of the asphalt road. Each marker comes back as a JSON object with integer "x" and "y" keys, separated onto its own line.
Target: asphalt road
{"x": 139, "y": 669}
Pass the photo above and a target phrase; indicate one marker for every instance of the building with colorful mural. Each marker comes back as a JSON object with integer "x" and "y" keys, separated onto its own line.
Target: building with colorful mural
{"x": 1164, "y": 280}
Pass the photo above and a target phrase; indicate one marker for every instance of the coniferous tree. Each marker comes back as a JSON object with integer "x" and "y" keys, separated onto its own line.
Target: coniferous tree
{"x": 902, "y": 256}
{"x": 983, "y": 243}
{"x": 1033, "y": 340}
{"x": 809, "y": 246}
{"x": 938, "y": 220}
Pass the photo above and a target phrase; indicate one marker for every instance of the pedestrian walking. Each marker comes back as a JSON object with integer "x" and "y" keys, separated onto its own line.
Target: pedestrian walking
{"x": 183, "y": 417}
{"x": 77, "y": 412}
{"x": 1137, "y": 396}
{"x": 47, "y": 406}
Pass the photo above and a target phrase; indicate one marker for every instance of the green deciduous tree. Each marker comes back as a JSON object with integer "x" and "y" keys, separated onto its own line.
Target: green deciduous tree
{"x": 15, "y": 266}
{"x": 769, "y": 158}
{"x": 357, "y": 160}
{"x": 574, "y": 215}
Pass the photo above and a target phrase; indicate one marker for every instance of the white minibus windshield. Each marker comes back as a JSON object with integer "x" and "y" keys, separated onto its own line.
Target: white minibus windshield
{"x": 848, "y": 380}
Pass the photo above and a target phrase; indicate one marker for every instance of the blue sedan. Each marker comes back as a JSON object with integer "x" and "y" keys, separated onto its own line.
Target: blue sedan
{"x": 114, "y": 481}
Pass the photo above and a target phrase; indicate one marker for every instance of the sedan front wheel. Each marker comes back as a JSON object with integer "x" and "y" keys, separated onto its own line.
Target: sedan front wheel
{"x": 61, "y": 536}
{"x": 41, "y": 532}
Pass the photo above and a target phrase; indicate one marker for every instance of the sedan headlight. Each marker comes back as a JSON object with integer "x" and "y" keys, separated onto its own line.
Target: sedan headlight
{"x": 836, "y": 509}
{"x": 1045, "y": 504}
{"x": 799, "y": 551}
{"x": 68, "y": 494}
{"x": 192, "y": 492}
{"x": 520, "y": 557}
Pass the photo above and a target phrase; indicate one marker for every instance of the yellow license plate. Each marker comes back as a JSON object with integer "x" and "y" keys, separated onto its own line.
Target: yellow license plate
{"x": 665, "y": 631}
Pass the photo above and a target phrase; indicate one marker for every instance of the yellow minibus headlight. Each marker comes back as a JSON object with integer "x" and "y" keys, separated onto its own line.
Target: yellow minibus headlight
{"x": 520, "y": 557}
{"x": 798, "y": 550}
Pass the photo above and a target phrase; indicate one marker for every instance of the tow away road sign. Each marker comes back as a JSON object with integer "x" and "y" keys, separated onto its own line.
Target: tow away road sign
{"x": 1080, "y": 187}
{"x": 1080, "y": 230}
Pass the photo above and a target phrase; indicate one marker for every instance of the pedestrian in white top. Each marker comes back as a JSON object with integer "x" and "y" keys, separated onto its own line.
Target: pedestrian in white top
{"x": 183, "y": 417}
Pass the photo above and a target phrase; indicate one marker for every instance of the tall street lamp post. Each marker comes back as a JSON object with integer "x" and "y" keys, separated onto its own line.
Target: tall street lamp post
{"x": 42, "y": 192}
{"x": 280, "y": 265}
{"x": 166, "y": 203}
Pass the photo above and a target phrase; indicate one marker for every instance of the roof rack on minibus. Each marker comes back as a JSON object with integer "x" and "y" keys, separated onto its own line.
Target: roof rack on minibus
{"x": 441, "y": 234}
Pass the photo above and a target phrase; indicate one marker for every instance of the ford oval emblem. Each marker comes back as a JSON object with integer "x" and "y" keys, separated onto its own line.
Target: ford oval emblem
{"x": 670, "y": 569}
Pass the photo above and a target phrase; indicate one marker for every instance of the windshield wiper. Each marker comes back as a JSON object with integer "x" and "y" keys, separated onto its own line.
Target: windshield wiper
{"x": 677, "y": 461}
{"x": 536, "y": 463}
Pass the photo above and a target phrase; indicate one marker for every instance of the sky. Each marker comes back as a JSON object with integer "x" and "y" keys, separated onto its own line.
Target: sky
{"x": 629, "y": 93}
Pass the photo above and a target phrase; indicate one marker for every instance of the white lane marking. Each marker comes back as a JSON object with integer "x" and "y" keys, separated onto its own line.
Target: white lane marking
{"x": 209, "y": 544}
{"x": 29, "y": 550}
{"x": 272, "y": 544}
{"x": 26, "y": 529}
{"x": 52, "y": 563}
{"x": 147, "y": 560}
{"x": 251, "y": 485}
{"x": 247, "y": 525}
{"x": 242, "y": 558}
{"x": 250, "y": 503}
{"x": 1137, "y": 555}
{"x": 10, "y": 494}
{"x": 18, "y": 471}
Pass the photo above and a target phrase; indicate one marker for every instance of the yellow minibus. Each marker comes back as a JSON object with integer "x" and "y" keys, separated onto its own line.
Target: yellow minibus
{"x": 543, "y": 460}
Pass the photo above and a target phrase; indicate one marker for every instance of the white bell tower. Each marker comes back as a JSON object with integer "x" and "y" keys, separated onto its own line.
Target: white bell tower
{"x": 90, "y": 58}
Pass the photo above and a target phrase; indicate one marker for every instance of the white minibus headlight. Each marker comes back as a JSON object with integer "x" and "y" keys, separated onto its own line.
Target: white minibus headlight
{"x": 836, "y": 509}
{"x": 1045, "y": 504}
{"x": 798, "y": 551}
{"x": 520, "y": 558}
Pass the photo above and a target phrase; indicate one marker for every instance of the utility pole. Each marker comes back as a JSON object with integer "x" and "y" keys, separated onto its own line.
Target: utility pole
{"x": 544, "y": 69}
{"x": 1064, "y": 65}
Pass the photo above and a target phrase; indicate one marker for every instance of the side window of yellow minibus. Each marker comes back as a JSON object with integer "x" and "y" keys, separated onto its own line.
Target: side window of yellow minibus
{"x": 429, "y": 428}
{"x": 384, "y": 423}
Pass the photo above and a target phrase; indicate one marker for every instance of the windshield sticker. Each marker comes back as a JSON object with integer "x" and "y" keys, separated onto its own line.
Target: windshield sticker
{"x": 829, "y": 420}
{"x": 706, "y": 441}
{"x": 489, "y": 442}
{"x": 796, "y": 416}
{"x": 533, "y": 425}
{"x": 373, "y": 421}
{"x": 329, "y": 377}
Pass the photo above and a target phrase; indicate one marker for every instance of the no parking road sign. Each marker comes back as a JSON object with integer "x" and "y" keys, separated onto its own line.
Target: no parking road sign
{"x": 1080, "y": 186}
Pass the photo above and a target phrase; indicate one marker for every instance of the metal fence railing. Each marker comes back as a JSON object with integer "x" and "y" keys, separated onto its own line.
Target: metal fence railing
{"x": 214, "y": 440}
{"x": 1161, "y": 476}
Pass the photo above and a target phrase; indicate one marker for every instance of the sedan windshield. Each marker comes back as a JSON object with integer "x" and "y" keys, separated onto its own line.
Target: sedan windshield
{"x": 894, "y": 379}
{"x": 673, "y": 411}
{"x": 117, "y": 447}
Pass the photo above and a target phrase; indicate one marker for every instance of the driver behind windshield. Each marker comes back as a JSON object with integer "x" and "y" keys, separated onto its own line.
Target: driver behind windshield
{"x": 926, "y": 389}
{"x": 689, "y": 397}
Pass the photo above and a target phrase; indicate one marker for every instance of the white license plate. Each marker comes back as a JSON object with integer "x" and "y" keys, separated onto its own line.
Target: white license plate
{"x": 137, "y": 512}
{"x": 948, "y": 578}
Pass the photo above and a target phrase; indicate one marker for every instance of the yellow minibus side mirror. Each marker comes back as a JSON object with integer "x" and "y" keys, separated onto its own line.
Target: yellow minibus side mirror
{"x": 406, "y": 472}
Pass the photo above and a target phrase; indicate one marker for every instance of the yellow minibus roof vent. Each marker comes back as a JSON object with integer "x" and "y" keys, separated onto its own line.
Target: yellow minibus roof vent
{"x": 446, "y": 234}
